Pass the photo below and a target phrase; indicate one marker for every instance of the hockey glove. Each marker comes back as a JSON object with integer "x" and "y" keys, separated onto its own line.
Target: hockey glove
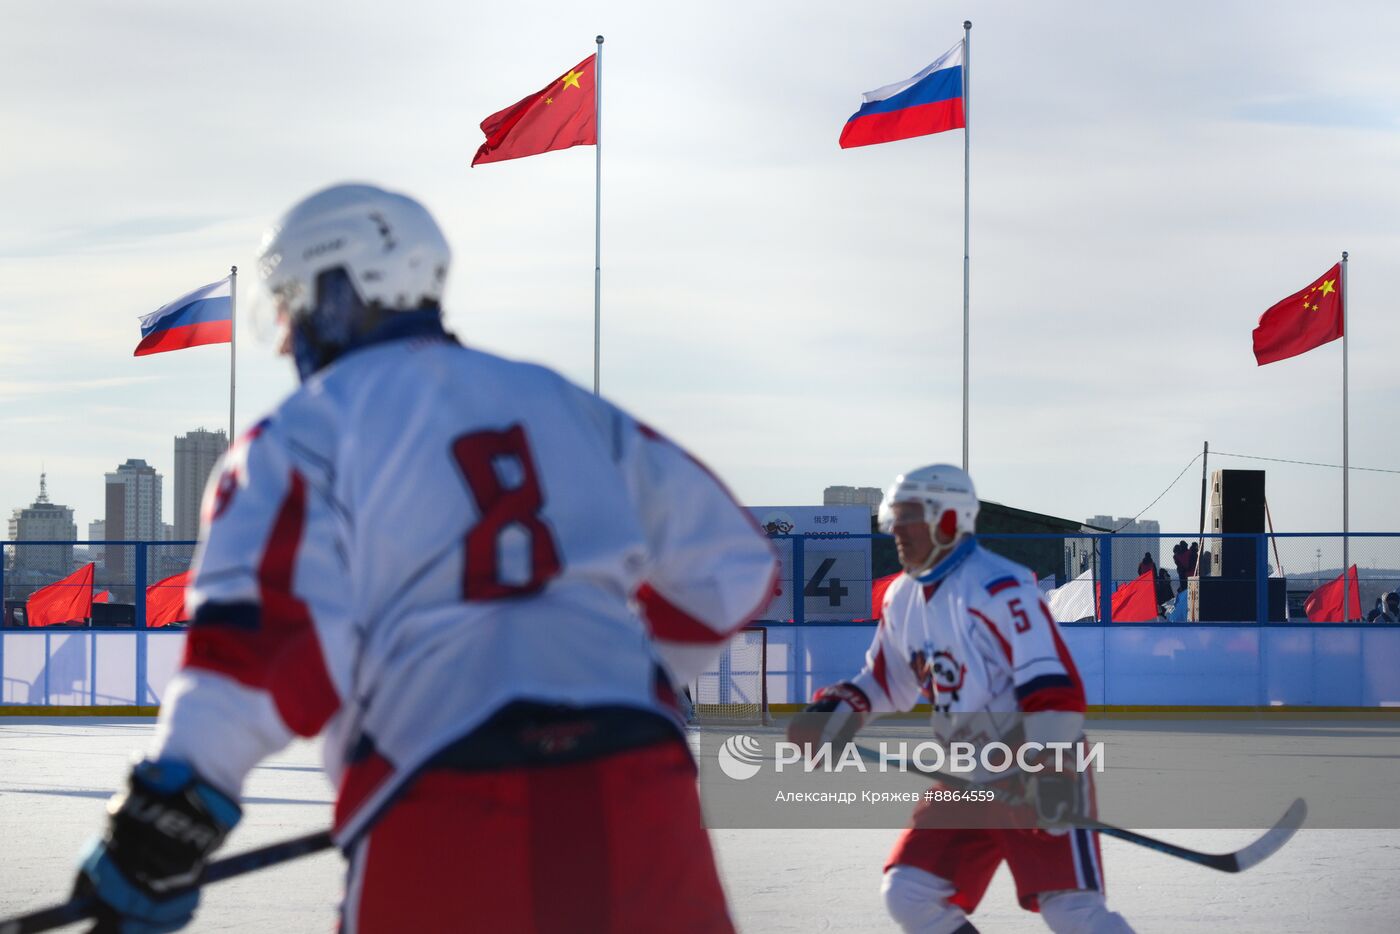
{"x": 835, "y": 714}
{"x": 161, "y": 833}
{"x": 1052, "y": 795}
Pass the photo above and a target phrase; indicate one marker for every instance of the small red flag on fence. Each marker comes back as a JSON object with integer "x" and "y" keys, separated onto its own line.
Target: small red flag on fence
{"x": 1136, "y": 601}
{"x": 67, "y": 601}
{"x": 1324, "y": 605}
{"x": 165, "y": 601}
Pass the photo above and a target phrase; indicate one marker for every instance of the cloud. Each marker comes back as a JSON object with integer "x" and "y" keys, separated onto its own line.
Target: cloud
{"x": 41, "y": 389}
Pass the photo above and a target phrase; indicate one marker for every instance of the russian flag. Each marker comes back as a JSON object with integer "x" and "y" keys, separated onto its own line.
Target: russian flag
{"x": 929, "y": 102}
{"x": 204, "y": 316}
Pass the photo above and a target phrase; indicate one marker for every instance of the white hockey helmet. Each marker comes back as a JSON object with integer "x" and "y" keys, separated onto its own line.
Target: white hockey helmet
{"x": 939, "y": 488}
{"x": 384, "y": 245}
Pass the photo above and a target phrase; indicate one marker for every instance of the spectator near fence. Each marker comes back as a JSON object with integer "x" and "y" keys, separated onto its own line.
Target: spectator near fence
{"x": 1185, "y": 559}
{"x": 1164, "y": 587}
{"x": 1147, "y": 565}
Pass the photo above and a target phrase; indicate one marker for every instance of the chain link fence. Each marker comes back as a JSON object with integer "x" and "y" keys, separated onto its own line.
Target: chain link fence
{"x": 97, "y": 585}
{"x": 1086, "y": 578}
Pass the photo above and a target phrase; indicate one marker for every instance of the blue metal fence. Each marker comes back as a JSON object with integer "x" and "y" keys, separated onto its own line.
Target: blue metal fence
{"x": 1251, "y": 578}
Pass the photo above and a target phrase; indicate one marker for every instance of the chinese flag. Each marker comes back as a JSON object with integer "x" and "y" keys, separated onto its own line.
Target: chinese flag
{"x": 562, "y": 115}
{"x": 1136, "y": 601}
{"x": 69, "y": 600}
{"x": 1302, "y": 321}
{"x": 102, "y": 597}
{"x": 1324, "y": 605}
{"x": 165, "y": 601}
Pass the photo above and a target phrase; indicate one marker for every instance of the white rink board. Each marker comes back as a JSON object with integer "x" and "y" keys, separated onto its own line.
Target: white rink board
{"x": 59, "y": 771}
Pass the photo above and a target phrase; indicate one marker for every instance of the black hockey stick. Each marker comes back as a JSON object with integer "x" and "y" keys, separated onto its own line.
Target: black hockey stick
{"x": 1267, "y": 845}
{"x": 81, "y": 909}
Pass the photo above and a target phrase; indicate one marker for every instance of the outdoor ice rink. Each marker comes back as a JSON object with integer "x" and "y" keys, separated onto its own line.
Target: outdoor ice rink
{"x": 58, "y": 772}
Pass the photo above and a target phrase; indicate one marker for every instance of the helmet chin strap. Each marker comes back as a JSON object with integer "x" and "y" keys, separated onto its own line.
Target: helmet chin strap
{"x": 940, "y": 550}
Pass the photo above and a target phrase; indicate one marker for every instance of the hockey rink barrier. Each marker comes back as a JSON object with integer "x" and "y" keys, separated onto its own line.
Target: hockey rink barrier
{"x": 1251, "y": 662}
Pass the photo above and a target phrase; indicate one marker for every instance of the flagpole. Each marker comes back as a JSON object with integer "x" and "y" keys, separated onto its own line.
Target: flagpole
{"x": 597, "y": 211}
{"x": 967, "y": 172}
{"x": 232, "y": 342}
{"x": 1346, "y": 488}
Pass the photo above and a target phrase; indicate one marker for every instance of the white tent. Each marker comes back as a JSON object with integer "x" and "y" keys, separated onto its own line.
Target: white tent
{"x": 1075, "y": 600}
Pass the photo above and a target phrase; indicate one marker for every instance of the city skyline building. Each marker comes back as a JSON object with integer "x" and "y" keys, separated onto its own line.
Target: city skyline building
{"x": 196, "y": 453}
{"x": 1127, "y": 552}
{"x": 133, "y": 513}
{"x": 853, "y": 496}
{"x": 97, "y": 532}
{"x": 42, "y": 520}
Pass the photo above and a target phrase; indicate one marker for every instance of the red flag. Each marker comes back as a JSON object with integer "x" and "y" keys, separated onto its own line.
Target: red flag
{"x": 1324, "y": 605}
{"x": 877, "y": 593}
{"x": 102, "y": 597}
{"x": 1136, "y": 601}
{"x": 165, "y": 601}
{"x": 69, "y": 600}
{"x": 562, "y": 115}
{"x": 1302, "y": 321}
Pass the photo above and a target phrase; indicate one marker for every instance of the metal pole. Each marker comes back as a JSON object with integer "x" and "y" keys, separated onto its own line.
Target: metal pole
{"x": 967, "y": 214}
{"x": 1205, "y": 459}
{"x": 232, "y": 342}
{"x": 1346, "y": 489}
{"x": 597, "y": 210}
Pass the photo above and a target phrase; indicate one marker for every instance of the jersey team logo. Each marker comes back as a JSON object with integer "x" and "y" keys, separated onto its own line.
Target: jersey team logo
{"x": 740, "y": 756}
{"x": 943, "y": 674}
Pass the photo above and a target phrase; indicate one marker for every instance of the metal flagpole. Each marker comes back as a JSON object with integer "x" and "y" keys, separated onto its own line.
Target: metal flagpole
{"x": 1346, "y": 489}
{"x": 967, "y": 172}
{"x": 232, "y": 342}
{"x": 597, "y": 210}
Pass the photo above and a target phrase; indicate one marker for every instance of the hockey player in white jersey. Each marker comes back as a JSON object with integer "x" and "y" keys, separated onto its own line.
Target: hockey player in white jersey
{"x": 967, "y": 631}
{"x": 479, "y": 584}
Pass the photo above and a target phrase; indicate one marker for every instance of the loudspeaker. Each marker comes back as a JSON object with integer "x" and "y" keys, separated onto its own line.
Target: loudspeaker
{"x": 1237, "y": 505}
{"x": 1241, "y": 500}
{"x": 1225, "y": 601}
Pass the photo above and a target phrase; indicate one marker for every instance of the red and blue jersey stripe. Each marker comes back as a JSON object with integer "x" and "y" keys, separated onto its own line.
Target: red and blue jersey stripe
{"x": 204, "y": 316}
{"x": 929, "y": 102}
{"x": 995, "y": 587}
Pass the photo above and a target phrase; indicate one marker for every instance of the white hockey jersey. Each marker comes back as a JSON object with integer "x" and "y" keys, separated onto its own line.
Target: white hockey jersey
{"x": 423, "y": 533}
{"x": 973, "y": 637}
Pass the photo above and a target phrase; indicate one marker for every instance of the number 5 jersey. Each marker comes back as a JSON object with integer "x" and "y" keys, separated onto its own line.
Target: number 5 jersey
{"x": 973, "y": 638}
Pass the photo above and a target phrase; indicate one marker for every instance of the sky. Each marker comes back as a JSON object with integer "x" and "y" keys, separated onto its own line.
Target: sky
{"x": 1146, "y": 179}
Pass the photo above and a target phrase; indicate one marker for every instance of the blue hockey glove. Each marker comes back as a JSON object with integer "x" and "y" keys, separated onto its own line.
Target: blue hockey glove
{"x": 160, "y": 835}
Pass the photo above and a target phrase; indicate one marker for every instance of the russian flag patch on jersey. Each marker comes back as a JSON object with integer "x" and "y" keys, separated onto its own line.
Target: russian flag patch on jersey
{"x": 1001, "y": 583}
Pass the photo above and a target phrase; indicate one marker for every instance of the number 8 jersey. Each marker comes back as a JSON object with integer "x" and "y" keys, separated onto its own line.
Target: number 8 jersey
{"x": 424, "y": 533}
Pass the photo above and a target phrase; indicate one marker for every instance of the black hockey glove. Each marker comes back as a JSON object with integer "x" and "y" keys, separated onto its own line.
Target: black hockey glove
{"x": 160, "y": 835}
{"x": 1052, "y": 796}
{"x": 835, "y": 714}
{"x": 1055, "y": 797}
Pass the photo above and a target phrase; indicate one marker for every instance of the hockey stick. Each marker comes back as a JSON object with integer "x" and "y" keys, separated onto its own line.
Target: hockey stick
{"x": 81, "y": 909}
{"x": 1238, "y": 861}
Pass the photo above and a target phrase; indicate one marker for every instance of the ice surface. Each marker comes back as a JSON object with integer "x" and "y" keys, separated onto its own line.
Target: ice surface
{"x": 56, "y": 774}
